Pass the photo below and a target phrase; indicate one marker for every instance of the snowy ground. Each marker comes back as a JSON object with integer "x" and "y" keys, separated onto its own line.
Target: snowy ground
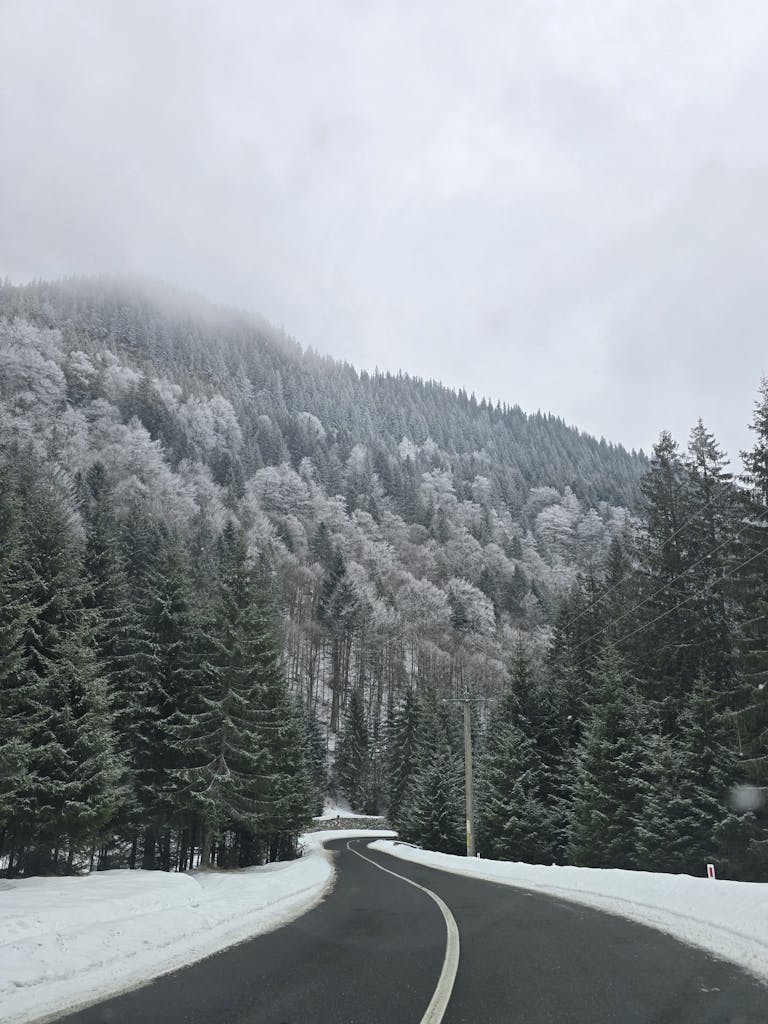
{"x": 342, "y": 810}
{"x": 71, "y": 941}
{"x": 729, "y": 919}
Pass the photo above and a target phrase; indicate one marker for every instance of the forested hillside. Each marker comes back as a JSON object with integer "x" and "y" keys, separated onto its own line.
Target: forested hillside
{"x": 411, "y": 531}
{"x": 221, "y": 553}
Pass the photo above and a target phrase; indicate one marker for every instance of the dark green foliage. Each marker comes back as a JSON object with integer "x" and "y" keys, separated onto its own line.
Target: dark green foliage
{"x": 15, "y": 689}
{"x": 317, "y": 759}
{"x": 402, "y": 760}
{"x": 433, "y": 813}
{"x": 686, "y": 805}
{"x": 353, "y": 756}
{"x": 405, "y": 536}
{"x": 752, "y": 630}
{"x": 612, "y": 773}
{"x": 72, "y": 788}
{"x": 238, "y": 748}
{"x": 513, "y": 822}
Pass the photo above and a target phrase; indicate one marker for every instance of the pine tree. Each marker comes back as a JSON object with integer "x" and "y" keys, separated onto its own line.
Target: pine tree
{"x": 123, "y": 651}
{"x": 401, "y": 753}
{"x": 73, "y": 789}
{"x": 513, "y": 823}
{"x": 173, "y": 672}
{"x": 286, "y": 801}
{"x": 14, "y": 704}
{"x": 752, "y": 632}
{"x": 714, "y": 513}
{"x": 353, "y": 756}
{"x": 337, "y": 613}
{"x": 432, "y": 814}
{"x": 611, "y": 773}
{"x": 663, "y": 628}
{"x": 316, "y": 758}
{"x": 686, "y": 802}
{"x": 241, "y": 760}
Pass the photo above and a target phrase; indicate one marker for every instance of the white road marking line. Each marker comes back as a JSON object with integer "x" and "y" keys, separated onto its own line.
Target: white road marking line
{"x": 439, "y": 1002}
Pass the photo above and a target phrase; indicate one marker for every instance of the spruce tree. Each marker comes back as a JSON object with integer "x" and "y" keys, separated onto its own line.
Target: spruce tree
{"x": 353, "y": 755}
{"x": 433, "y": 812}
{"x": 660, "y": 632}
{"x": 401, "y": 753}
{"x": 173, "y": 672}
{"x": 612, "y": 770}
{"x": 287, "y": 795}
{"x": 15, "y": 721}
{"x": 513, "y": 823}
{"x": 316, "y": 758}
{"x": 752, "y": 632}
{"x": 714, "y": 515}
{"x": 73, "y": 787}
{"x": 123, "y": 651}
{"x": 686, "y": 802}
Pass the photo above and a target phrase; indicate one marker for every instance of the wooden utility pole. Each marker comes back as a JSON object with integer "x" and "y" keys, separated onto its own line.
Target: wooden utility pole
{"x": 468, "y": 775}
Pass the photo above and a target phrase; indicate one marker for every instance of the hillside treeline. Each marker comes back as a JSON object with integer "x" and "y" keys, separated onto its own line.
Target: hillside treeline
{"x": 228, "y": 564}
{"x": 642, "y": 741}
{"x": 411, "y": 533}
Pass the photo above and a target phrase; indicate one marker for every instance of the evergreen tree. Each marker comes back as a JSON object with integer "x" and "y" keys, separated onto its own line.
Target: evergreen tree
{"x": 433, "y": 812}
{"x": 714, "y": 513}
{"x": 686, "y": 802}
{"x": 172, "y": 625}
{"x": 663, "y": 626}
{"x": 287, "y": 796}
{"x": 15, "y": 722}
{"x": 611, "y": 772}
{"x": 73, "y": 785}
{"x": 752, "y": 632}
{"x": 123, "y": 653}
{"x": 337, "y": 613}
{"x": 353, "y": 756}
{"x": 401, "y": 754}
{"x": 512, "y": 821}
{"x": 316, "y": 759}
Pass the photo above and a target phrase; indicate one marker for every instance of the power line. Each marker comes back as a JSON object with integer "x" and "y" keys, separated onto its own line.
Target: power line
{"x": 666, "y": 586}
{"x": 669, "y": 611}
{"x": 633, "y": 572}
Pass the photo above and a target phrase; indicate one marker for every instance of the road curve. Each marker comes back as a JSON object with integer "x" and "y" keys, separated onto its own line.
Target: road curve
{"x": 375, "y": 950}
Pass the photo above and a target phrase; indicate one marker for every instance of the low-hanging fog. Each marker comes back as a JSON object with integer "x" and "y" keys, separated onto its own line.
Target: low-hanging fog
{"x": 560, "y": 205}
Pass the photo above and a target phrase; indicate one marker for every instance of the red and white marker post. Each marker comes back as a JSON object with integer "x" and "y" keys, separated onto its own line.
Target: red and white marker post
{"x": 711, "y": 871}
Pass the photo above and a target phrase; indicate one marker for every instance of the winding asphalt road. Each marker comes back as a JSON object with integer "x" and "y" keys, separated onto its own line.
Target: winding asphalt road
{"x": 378, "y": 950}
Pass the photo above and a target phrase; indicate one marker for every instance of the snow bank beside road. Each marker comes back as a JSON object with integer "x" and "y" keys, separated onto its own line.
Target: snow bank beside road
{"x": 71, "y": 941}
{"x": 729, "y": 919}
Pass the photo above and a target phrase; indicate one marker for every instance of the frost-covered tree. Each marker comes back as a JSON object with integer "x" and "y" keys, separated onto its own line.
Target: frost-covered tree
{"x": 687, "y": 794}
{"x": 402, "y": 739}
{"x": 353, "y": 755}
{"x": 433, "y": 813}
{"x": 17, "y": 690}
{"x": 513, "y": 820}
{"x": 72, "y": 787}
{"x": 612, "y": 772}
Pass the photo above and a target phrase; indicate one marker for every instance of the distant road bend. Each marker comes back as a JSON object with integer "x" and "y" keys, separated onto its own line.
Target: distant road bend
{"x": 399, "y": 943}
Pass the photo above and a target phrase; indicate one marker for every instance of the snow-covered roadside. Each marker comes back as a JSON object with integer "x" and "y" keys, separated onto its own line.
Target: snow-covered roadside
{"x": 71, "y": 941}
{"x": 341, "y": 809}
{"x": 729, "y": 919}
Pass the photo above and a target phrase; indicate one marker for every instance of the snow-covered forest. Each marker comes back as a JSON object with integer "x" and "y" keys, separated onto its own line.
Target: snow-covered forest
{"x": 222, "y": 554}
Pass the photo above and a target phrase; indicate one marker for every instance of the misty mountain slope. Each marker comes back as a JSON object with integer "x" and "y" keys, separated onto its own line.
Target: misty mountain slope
{"x": 413, "y": 532}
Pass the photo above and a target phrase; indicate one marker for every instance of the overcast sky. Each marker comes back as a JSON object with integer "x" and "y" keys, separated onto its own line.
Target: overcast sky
{"x": 563, "y": 205}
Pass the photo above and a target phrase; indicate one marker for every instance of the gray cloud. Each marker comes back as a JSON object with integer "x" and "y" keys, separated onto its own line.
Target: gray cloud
{"x": 561, "y": 205}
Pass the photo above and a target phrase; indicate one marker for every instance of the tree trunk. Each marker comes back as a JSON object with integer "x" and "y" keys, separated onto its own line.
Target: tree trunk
{"x": 205, "y": 848}
{"x": 148, "y": 853}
